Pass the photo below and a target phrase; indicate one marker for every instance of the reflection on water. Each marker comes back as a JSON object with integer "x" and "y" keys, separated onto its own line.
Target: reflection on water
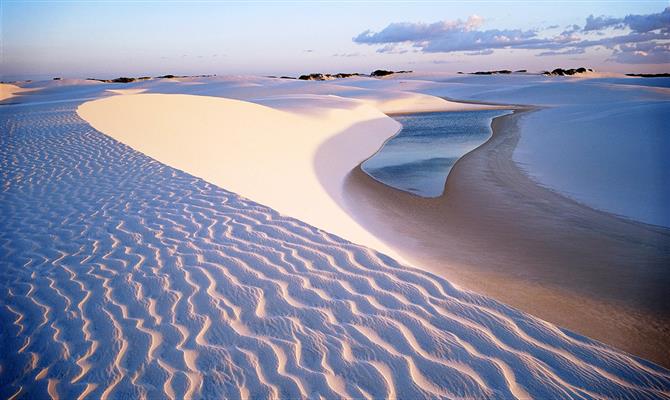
{"x": 419, "y": 158}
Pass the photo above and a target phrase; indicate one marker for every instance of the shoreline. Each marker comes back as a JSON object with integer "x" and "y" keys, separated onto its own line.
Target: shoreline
{"x": 567, "y": 247}
{"x": 493, "y": 106}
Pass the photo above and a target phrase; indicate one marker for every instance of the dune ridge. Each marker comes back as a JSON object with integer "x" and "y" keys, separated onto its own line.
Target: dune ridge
{"x": 261, "y": 150}
{"x": 8, "y": 90}
{"x": 124, "y": 277}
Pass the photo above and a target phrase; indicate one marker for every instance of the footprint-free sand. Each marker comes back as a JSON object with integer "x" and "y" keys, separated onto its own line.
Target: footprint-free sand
{"x": 128, "y": 274}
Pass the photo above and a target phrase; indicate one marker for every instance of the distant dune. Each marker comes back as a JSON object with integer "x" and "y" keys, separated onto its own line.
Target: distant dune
{"x": 8, "y": 90}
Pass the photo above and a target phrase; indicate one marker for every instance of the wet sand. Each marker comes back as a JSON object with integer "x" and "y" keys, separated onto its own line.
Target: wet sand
{"x": 498, "y": 233}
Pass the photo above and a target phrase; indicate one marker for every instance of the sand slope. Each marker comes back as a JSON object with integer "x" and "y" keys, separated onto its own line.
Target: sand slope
{"x": 269, "y": 154}
{"x": 123, "y": 277}
{"x": 8, "y": 91}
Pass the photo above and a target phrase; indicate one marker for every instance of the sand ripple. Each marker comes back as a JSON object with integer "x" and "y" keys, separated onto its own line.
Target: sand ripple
{"x": 121, "y": 277}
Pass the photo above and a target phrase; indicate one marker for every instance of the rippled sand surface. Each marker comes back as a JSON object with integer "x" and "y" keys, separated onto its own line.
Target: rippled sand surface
{"x": 122, "y": 277}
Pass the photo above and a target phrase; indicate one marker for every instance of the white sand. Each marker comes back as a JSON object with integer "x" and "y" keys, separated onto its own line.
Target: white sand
{"x": 266, "y": 154}
{"x": 124, "y": 277}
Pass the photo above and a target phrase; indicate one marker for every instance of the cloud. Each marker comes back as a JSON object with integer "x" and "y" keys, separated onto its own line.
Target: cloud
{"x": 399, "y": 32}
{"x": 570, "y": 29}
{"x": 453, "y": 36}
{"x": 479, "y": 53}
{"x": 480, "y": 40}
{"x": 347, "y": 55}
{"x": 642, "y": 53}
{"x": 637, "y": 23}
{"x": 631, "y": 38}
{"x": 602, "y": 22}
{"x": 392, "y": 49}
{"x": 576, "y": 50}
{"x": 647, "y": 23}
{"x": 468, "y": 38}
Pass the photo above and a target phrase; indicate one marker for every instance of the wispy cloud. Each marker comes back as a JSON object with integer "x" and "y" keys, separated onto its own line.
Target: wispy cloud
{"x": 347, "y": 54}
{"x": 479, "y": 52}
{"x": 392, "y": 49}
{"x": 576, "y": 50}
{"x": 642, "y": 38}
{"x": 642, "y": 53}
{"x": 570, "y": 29}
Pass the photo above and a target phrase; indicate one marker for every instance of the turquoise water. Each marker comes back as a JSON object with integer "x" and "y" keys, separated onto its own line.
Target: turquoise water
{"x": 418, "y": 159}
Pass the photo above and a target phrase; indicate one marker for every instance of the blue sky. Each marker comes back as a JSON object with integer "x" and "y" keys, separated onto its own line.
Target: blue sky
{"x": 109, "y": 39}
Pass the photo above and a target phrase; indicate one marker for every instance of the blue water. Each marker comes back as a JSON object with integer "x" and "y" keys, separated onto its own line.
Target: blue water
{"x": 418, "y": 159}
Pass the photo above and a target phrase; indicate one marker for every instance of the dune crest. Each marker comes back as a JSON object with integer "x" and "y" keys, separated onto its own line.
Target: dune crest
{"x": 8, "y": 91}
{"x": 250, "y": 149}
{"x": 261, "y": 151}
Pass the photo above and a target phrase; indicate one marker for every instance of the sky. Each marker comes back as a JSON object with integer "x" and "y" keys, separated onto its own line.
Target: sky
{"x": 107, "y": 39}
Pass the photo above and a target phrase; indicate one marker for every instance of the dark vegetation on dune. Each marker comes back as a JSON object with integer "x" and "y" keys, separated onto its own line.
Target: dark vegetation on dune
{"x": 382, "y": 72}
{"x": 122, "y": 79}
{"x": 502, "y": 71}
{"x": 556, "y": 72}
{"x": 376, "y": 74}
{"x": 125, "y": 79}
{"x": 496, "y": 72}
{"x": 661, "y": 75}
{"x": 327, "y": 77}
{"x": 567, "y": 72}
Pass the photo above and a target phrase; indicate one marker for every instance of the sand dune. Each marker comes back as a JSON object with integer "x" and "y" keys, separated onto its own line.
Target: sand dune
{"x": 263, "y": 152}
{"x": 8, "y": 91}
{"x": 126, "y": 276}
{"x": 123, "y": 277}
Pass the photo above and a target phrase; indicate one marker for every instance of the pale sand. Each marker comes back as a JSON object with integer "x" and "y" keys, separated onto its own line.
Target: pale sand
{"x": 311, "y": 145}
{"x": 263, "y": 153}
{"x": 497, "y": 232}
{"x": 125, "y": 278}
{"x": 317, "y": 139}
{"x": 8, "y": 91}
